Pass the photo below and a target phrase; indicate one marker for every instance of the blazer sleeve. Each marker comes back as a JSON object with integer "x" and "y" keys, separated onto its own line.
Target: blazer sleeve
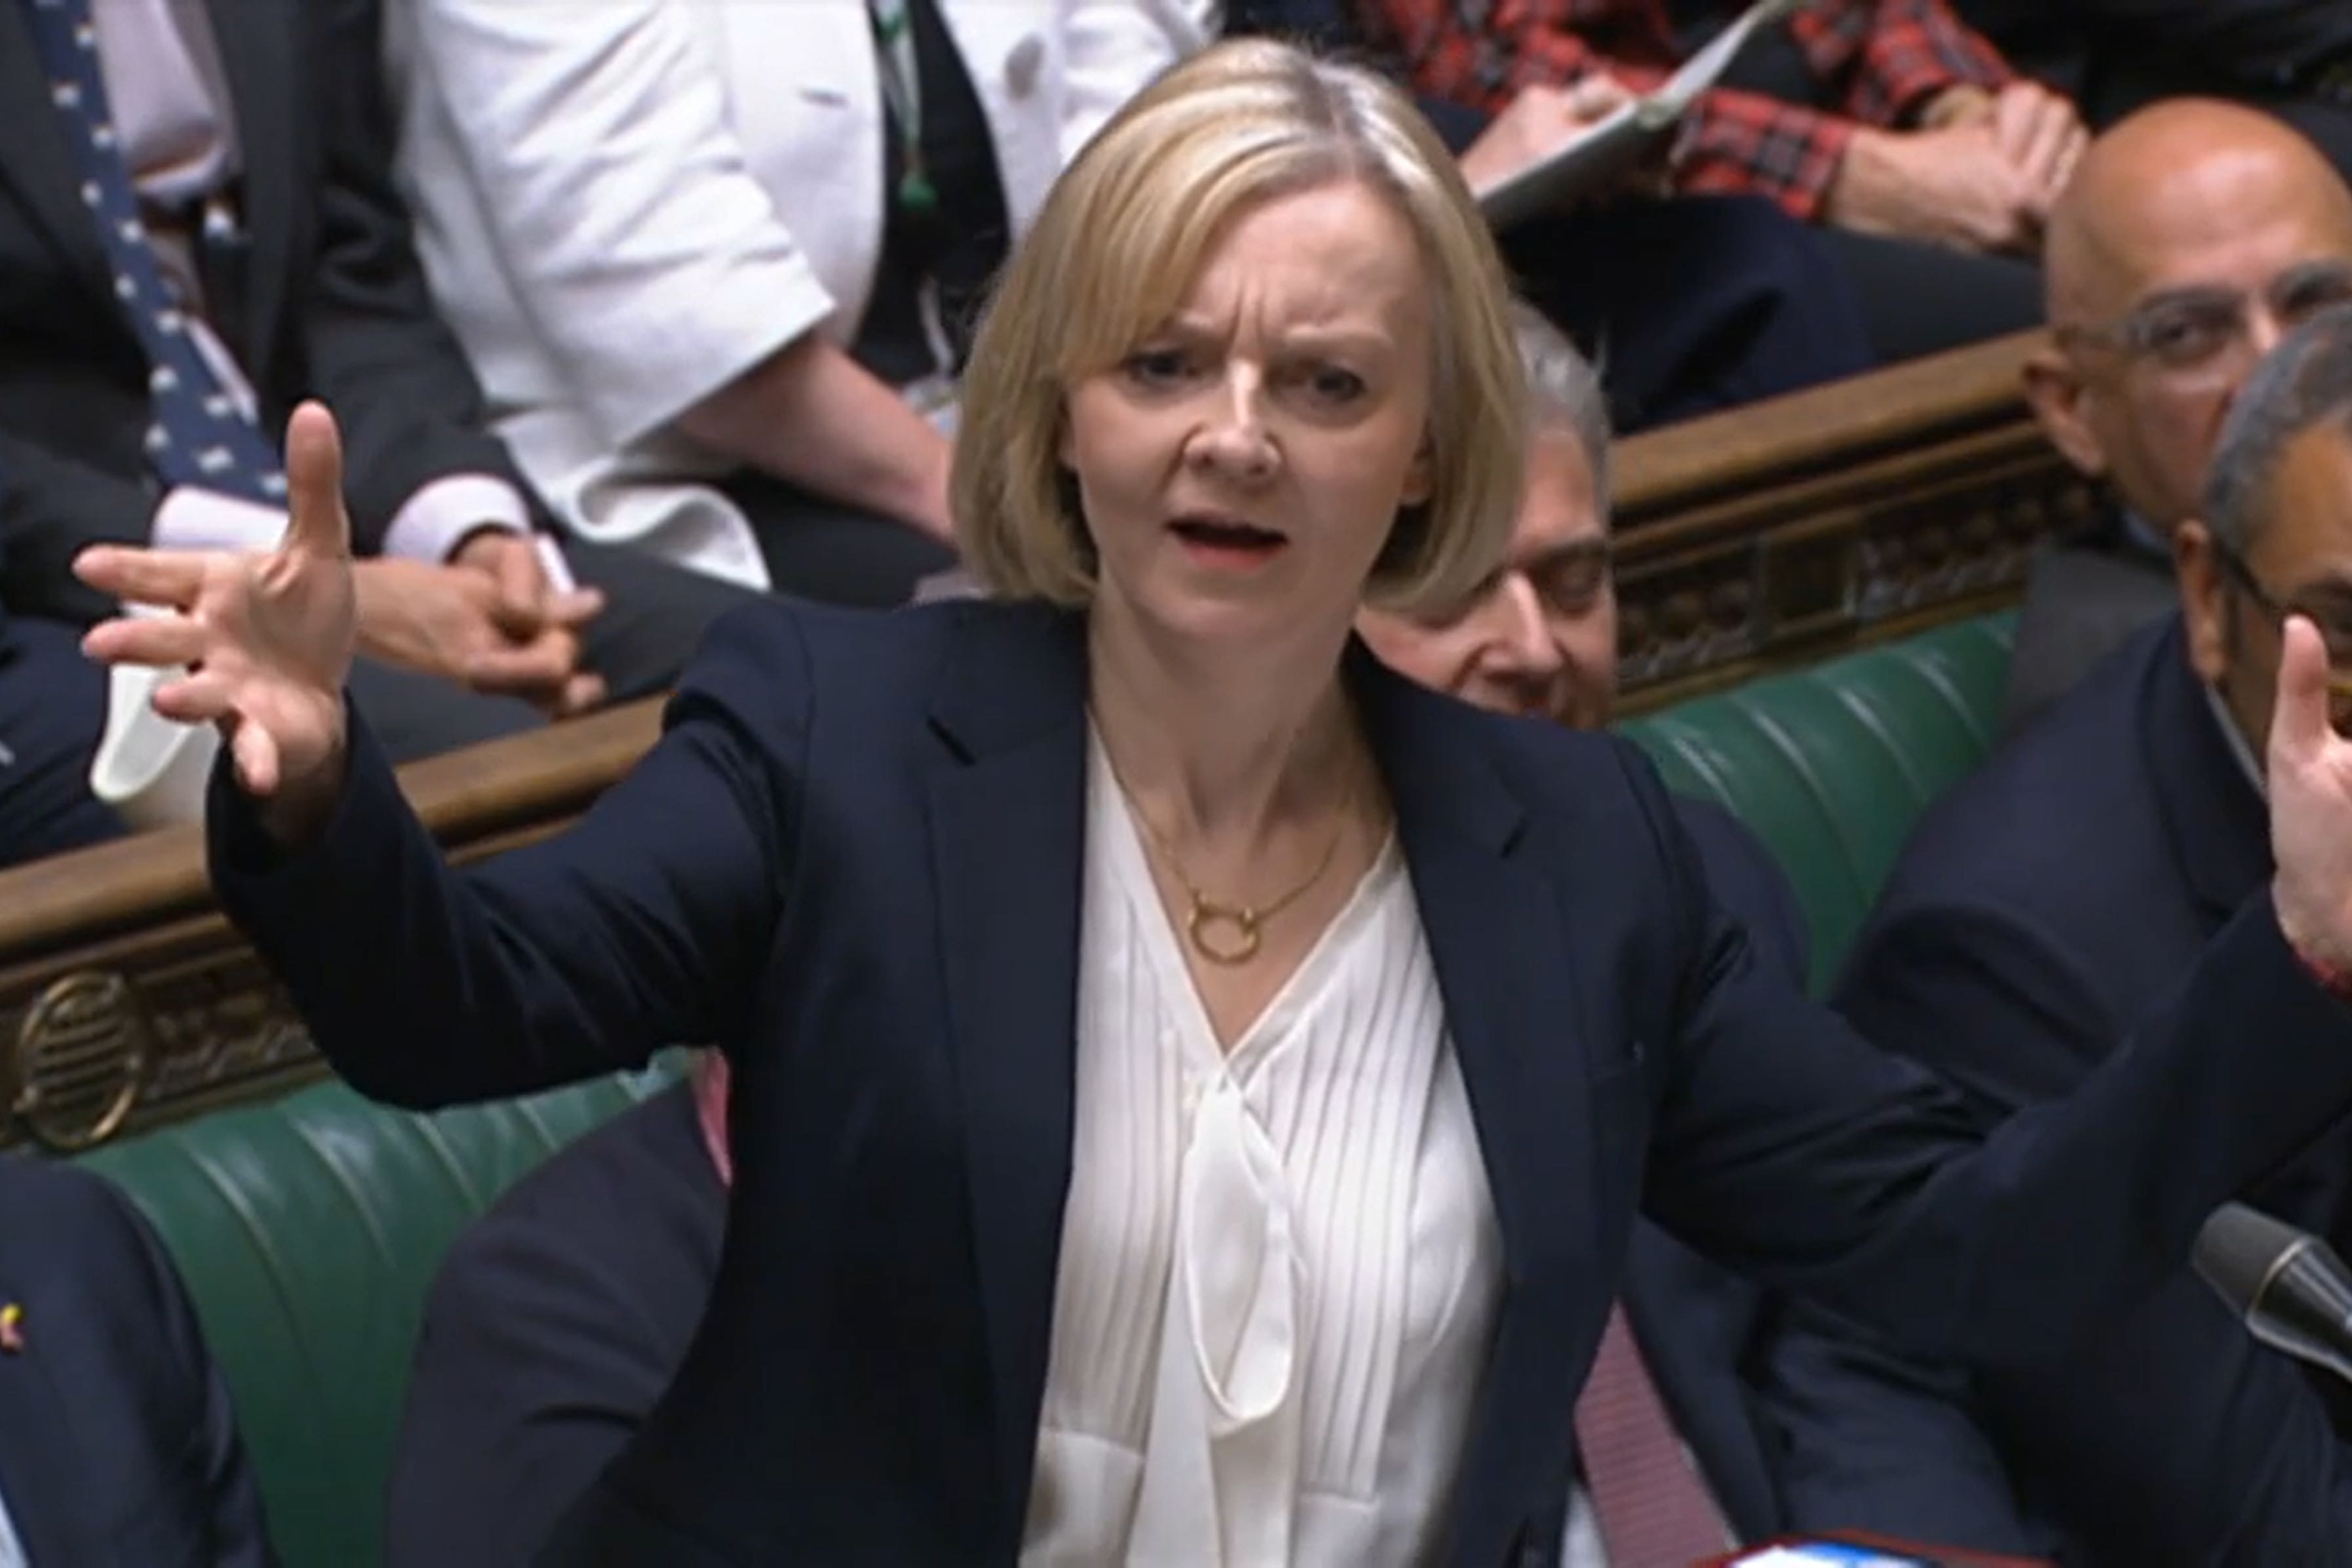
{"x": 1114, "y": 48}
{"x": 2172, "y": 1434}
{"x": 1785, "y": 1146}
{"x": 643, "y": 925}
{"x": 643, "y": 250}
{"x": 1869, "y": 1440}
{"x": 51, "y": 509}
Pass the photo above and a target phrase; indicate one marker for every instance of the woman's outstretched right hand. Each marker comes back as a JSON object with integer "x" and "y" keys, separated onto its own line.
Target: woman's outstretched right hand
{"x": 266, "y": 638}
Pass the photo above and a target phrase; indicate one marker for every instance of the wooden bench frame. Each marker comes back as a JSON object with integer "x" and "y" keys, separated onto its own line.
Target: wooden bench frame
{"x": 1785, "y": 532}
{"x": 1747, "y": 541}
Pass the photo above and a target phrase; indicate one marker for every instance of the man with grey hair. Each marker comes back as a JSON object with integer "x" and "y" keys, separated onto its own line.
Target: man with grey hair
{"x": 1542, "y": 639}
{"x": 2053, "y": 898}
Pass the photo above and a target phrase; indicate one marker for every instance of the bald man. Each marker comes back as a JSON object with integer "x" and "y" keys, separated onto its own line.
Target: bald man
{"x": 2192, "y": 237}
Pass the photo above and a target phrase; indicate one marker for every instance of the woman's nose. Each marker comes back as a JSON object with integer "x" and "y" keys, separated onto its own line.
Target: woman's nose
{"x": 1233, "y": 439}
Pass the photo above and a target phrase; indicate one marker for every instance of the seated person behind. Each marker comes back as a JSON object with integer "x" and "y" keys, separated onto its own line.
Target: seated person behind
{"x": 721, "y": 313}
{"x": 1929, "y": 164}
{"x": 559, "y": 1319}
{"x": 2047, "y": 904}
{"x": 2194, "y": 235}
{"x": 1704, "y": 302}
{"x": 52, "y": 707}
{"x": 117, "y": 1443}
{"x": 178, "y": 280}
{"x": 2289, "y": 57}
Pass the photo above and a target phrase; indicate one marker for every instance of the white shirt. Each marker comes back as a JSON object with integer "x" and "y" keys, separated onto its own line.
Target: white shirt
{"x": 1280, "y": 1267}
{"x": 164, "y": 87}
{"x": 12, "y": 1551}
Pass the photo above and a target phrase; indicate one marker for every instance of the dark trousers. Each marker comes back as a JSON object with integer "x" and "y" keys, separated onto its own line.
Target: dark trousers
{"x": 52, "y": 710}
{"x": 1694, "y": 303}
{"x": 653, "y": 619}
{"x": 1920, "y": 298}
{"x": 1915, "y": 298}
{"x": 820, "y": 549}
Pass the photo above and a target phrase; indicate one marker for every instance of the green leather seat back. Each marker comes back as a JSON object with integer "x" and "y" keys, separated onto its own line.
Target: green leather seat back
{"x": 308, "y": 1231}
{"x": 1833, "y": 765}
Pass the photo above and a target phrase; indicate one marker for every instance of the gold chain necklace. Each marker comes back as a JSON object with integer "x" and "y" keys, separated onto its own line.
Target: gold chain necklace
{"x": 1203, "y": 914}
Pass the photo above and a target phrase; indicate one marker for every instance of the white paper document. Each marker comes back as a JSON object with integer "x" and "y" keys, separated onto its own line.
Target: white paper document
{"x": 1615, "y": 144}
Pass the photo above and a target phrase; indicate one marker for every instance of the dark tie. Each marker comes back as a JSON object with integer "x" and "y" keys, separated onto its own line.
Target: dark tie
{"x": 1653, "y": 1510}
{"x": 198, "y": 434}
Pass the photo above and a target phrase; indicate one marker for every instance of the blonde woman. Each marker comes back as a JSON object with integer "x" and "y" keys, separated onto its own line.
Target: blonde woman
{"x": 1191, "y": 1086}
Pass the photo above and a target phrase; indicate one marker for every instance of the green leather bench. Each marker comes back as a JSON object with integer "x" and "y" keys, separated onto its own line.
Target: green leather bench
{"x": 1832, "y": 765}
{"x": 309, "y": 1229}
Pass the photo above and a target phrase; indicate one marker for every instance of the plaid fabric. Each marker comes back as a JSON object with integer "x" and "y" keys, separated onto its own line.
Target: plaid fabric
{"x": 1877, "y": 62}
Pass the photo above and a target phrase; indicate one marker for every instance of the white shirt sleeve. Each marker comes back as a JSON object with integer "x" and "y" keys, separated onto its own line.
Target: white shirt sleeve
{"x": 430, "y": 523}
{"x": 1115, "y": 47}
{"x": 195, "y": 519}
{"x": 646, "y": 253}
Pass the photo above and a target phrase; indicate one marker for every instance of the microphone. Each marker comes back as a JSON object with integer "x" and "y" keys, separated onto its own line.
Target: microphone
{"x": 2288, "y": 1286}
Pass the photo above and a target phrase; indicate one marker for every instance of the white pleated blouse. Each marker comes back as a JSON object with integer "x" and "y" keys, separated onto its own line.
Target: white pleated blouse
{"x": 1279, "y": 1266}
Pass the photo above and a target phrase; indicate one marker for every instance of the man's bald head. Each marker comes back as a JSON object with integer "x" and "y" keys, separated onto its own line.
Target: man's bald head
{"x": 2176, "y": 178}
{"x": 2191, "y": 237}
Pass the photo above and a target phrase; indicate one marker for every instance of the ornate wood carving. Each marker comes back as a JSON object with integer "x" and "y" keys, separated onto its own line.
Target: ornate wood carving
{"x": 1752, "y": 540}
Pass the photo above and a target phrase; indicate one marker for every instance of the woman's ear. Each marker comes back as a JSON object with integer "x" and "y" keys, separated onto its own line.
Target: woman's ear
{"x": 1417, "y": 480}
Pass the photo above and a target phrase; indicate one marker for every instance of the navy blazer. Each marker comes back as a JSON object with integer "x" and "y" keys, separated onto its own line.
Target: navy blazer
{"x": 853, "y": 860}
{"x": 2044, "y": 908}
{"x": 557, "y": 1321}
{"x": 117, "y": 1445}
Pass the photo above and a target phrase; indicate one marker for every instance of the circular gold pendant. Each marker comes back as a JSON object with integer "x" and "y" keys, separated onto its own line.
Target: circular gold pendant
{"x": 1208, "y": 917}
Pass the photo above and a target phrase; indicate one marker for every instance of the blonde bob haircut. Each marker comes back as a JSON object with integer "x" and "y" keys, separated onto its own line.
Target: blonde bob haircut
{"x": 1115, "y": 250}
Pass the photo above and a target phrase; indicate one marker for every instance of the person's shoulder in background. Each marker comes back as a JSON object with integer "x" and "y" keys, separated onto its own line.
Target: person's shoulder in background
{"x": 553, "y": 1326}
{"x": 117, "y": 1441}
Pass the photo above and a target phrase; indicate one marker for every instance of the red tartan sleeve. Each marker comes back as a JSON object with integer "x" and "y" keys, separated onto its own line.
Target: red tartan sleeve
{"x": 1746, "y": 142}
{"x": 1484, "y": 63}
{"x": 1915, "y": 49}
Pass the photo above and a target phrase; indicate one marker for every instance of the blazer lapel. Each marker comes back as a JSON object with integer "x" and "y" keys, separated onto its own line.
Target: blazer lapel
{"x": 1496, "y": 938}
{"x": 1008, "y": 828}
{"x": 36, "y": 159}
{"x": 41, "y": 1485}
{"x": 258, "y": 53}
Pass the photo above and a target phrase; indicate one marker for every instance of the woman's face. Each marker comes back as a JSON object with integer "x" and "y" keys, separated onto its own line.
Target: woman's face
{"x": 1241, "y": 469}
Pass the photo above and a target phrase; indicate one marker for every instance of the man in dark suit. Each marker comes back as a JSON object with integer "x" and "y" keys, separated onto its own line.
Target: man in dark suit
{"x": 2193, "y": 236}
{"x": 2290, "y": 58}
{"x": 51, "y": 703}
{"x": 2056, "y": 899}
{"x": 118, "y": 1448}
{"x": 1695, "y": 304}
{"x": 557, "y": 1321}
{"x": 198, "y": 228}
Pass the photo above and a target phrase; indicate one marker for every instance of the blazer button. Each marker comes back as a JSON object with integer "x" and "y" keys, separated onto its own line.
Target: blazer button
{"x": 1021, "y": 66}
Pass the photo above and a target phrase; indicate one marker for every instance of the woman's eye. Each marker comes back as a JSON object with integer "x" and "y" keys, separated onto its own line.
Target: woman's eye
{"x": 1156, "y": 367}
{"x": 1332, "y": 384}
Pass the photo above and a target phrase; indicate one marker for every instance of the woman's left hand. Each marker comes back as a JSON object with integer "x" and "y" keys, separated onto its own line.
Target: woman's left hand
{"x": 2310, "y": 776}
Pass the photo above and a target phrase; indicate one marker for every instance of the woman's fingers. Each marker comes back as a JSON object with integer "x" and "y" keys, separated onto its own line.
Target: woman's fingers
{"x": 146, "y": 640}
{"x": 317, "y": 524}
{"x": 204, "y": 698}
{"x": 167, "y": 577}
{"x": 255, "y": 752}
